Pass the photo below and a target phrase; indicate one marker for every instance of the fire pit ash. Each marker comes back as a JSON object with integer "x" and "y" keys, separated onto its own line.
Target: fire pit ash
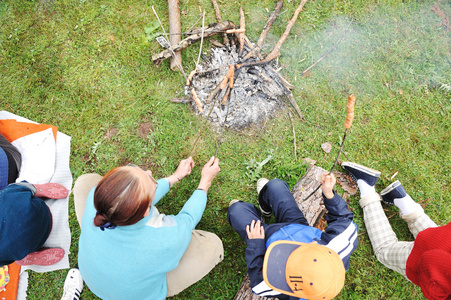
{"x": 257, "y": 92}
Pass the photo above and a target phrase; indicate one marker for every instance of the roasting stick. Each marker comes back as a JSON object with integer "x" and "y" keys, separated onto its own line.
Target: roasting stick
{"x": 347, "y": 125}
{"x": 221, "y": 87}
{"x": 232, "y": 76}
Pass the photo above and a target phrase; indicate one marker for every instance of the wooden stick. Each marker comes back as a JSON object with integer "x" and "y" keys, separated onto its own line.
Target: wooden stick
{"x": 175, "y": 26}
{"x": 295, "y": 105}
{"x": 347, "y": 125}
{"x": 170, "y": 51}
{"x": 243, "y": 27}
{"x": 294, "y": 135}
{"x": 276, "y": 51}
{"x": 212, "y": 30}
{"x": 327, "y": 53}
{"x": 198, "y": 102}
{"x": 265, "y": 31}
{"x": 219, "y": 18}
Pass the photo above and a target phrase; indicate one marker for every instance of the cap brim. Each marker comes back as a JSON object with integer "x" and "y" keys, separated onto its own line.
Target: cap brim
{"x": 274, "y": 265}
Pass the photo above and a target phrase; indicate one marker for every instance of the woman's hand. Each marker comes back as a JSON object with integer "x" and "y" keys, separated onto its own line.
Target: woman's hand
{"x": 255, "y": 230}
{"x": 183, "y": 170}
{"x": 209, "y": 172}
{"x": 327, "y": 185}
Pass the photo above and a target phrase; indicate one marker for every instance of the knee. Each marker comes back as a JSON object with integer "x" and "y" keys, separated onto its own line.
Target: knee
{"x": 235, "y": 208}
{"x": 276, "y": 184}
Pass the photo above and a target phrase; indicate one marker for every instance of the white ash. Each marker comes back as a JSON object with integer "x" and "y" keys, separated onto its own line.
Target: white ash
{"x": 257, "y": 92}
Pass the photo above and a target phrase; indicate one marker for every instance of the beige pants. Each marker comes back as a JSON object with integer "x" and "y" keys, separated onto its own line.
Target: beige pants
{"x": 204, "y": 251}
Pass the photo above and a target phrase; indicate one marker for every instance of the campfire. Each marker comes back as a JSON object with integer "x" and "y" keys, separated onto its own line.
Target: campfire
{"x": 234, "y": 87}
{"x": 257, "y": 92}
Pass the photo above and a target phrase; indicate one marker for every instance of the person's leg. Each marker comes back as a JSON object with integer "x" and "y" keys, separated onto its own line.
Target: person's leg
{"x": 241, "y": 214}
{"x": 409, "y": 210}
{"x": 388, "y": 250}
{"x": 276, "y": 196}
{"x": 83, "y": 185}
{"x": 204, "y": 252}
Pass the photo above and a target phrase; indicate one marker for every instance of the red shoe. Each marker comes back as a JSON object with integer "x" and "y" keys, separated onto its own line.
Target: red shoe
{"x": 51, "y": 190}
{"x": 45, "y": 257}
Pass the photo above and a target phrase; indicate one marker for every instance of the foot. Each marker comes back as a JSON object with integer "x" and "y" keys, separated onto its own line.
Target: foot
{"x": 392, "y": 192}
{"x": 260, "y": 184}
{"x": 45, "y": 257}
{"x": 73, "y": 285}
{"x": 370, "y": 176}
{"x": 51, "y": 190}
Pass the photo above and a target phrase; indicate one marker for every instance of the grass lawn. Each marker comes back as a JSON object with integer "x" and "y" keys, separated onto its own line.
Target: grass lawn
{"x": 86, "y": 67}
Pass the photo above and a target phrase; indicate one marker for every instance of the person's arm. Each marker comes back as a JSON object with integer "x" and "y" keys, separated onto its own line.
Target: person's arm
{"x": 183, "y": 170}
{"x": 337, "y": 208}
{"x": 255, "y": 254}
{"x": 194, "y": 207}
{"x": 341, "y": 234}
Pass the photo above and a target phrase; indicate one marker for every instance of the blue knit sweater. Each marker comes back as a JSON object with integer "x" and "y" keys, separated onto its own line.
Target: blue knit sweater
{"x": 131, "y": 262}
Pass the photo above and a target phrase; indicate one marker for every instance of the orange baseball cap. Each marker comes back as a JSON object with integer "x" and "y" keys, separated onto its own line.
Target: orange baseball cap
{"x": 303, "y": 270}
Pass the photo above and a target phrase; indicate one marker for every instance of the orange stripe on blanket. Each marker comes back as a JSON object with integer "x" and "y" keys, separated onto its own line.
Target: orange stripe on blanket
{"x": 13, "y": 284}
{"x": 12, "y": 130}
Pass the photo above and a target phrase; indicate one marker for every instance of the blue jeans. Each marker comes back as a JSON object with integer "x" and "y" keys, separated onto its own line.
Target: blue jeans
{"x": 275, "y": 196}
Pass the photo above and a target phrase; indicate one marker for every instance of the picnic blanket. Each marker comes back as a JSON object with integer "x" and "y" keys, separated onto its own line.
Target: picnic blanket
{"x": 45, "y": 158}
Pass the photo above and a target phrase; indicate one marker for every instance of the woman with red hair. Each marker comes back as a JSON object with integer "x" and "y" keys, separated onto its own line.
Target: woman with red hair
{"x": 127, "y": 249}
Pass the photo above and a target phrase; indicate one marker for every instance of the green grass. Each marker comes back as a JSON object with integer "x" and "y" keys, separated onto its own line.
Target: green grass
{"x": 85, "y": 66}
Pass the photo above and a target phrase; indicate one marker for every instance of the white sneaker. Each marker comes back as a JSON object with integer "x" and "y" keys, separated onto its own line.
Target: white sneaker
{"x": 73, "y": 285}
{"x": 261, "y": 183}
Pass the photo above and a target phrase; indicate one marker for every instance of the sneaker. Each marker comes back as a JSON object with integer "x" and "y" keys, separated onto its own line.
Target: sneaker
{"x": 51, "y": 190}
{"x": 260, "y": 184}
{"x": 73, "y": 285}
{"x": 370, "y": 176}
{"x": 233, "y": 202}
{"x": 45, "y": 257}
{"x": 392, "y": 192}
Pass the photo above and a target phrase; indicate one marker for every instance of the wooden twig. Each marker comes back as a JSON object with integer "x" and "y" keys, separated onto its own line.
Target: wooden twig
{"x": 276, "y": 51}
{"x": 219, "y": 18}
{"x": 330, "y": 50}
{"x": 294, "y": 136}
{"x": 265, "y": 31}
{"x": 241, "y": 35}
{"x": 170, "y": 51}
{"x": 295, "y": 105}
{"x": 210, "y": 31}
{"x": 436, "y": 8}
{"x": 175, "y": 26}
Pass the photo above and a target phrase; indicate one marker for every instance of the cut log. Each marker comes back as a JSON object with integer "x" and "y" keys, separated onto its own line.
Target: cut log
{"x": 211, "y": 30}
{"x": 174, "y": 29}
{"x": 313, "y": 210}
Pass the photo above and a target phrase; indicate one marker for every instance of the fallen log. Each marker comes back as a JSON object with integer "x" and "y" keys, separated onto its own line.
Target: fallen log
{"x": 210, "y": 31}
{"x": 313, "y": 210}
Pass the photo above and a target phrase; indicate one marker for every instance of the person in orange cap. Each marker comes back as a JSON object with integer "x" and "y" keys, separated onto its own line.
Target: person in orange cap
{"x": 290, "y": 259}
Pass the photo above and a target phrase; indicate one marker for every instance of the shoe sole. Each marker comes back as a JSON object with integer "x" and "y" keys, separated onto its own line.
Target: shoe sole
{"x": 390, "y": 188}
{"x": 45, "y": 257}
{"x": 51, "y": 190}
{"x": 367, "y": 170}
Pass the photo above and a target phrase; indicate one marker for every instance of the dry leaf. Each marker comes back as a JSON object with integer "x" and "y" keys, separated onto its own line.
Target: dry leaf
{"x": 112, "y": 38}
{"x": 346, "y": 182}
{"x": 326, "y": 147}
{"x": 309, "y": 161}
